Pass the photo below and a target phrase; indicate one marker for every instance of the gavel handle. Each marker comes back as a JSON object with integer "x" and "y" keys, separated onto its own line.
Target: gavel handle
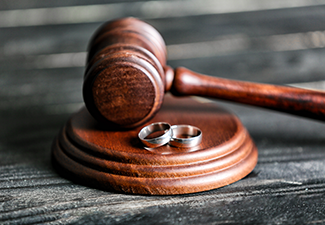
{"x": 297, "y": 101}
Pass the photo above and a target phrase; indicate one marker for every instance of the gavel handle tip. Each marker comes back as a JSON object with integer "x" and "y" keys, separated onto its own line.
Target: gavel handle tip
{"x": 169, "y": 77}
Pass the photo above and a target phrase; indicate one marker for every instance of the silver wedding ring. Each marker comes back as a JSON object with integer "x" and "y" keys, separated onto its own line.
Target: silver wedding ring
{"x": 185, "y": 136}
{"x": 156, "y": 141}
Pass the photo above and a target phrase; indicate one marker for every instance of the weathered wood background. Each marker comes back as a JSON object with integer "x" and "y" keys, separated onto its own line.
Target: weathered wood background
{"x": 42, "y": 54}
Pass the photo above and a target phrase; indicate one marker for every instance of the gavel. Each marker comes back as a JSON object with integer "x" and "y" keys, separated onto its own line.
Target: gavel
{"x": 126, "y": 77}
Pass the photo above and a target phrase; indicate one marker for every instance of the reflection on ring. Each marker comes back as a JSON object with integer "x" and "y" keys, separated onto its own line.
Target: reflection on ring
{"x": 156, "y": 141}
{"x": 185, "y": 136}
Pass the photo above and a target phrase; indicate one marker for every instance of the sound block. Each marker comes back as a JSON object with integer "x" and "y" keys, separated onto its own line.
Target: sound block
{"x": 115, "y": 160}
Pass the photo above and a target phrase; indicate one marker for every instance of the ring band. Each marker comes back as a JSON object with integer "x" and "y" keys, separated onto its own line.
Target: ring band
{"x": 185, "y": 136}
{"x": 157, "y": 141}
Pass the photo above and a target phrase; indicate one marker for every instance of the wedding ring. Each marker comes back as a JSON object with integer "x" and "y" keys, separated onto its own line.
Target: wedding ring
{"x": 157, "y": 141}
{"x": 185, "y": 136}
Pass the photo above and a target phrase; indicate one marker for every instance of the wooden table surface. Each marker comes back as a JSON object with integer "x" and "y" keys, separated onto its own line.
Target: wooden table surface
{"x": 42, "y": 55}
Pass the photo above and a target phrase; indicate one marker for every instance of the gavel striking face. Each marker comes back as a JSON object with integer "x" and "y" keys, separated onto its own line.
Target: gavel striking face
{"x": 126, "y": 78}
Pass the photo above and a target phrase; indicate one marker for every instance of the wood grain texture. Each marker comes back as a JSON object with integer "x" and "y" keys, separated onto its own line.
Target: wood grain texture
{"x": 107, "y": 106}
{"x": 297, "y": 101}
{"x": 41, "y": 87}
{"x": 124, "y": 71}
{"x": 116, "y": 160}
{"x": 128, "y": 31}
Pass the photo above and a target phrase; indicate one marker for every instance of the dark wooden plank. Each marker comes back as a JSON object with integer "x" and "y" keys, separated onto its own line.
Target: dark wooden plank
{"x": 289, "y": 172}
{"x": 27, "y": 47}
{"x": 287, "y": 185}
{"x": 21, "y": 4}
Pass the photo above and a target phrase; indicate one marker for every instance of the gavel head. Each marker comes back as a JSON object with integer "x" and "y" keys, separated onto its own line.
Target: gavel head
{"x": 125, "y": 80}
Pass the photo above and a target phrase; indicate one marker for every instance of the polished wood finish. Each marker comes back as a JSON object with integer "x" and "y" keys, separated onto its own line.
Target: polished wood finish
{"x": 116, "y": 160}
{"x": 125, "y": 83}
{"x": 124, "y": 79}
{"x": 128, "y": 31}
{"x": 297, "y": 101}
{"x": 287, "y": 185}
{"x": 112, "y": 83}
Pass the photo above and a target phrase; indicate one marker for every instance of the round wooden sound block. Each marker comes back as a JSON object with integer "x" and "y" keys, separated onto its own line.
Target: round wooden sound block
{"x": 116, "y": 160}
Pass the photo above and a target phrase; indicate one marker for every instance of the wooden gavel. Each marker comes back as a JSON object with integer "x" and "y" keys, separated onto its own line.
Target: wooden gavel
{"x": 126, "y": 77}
